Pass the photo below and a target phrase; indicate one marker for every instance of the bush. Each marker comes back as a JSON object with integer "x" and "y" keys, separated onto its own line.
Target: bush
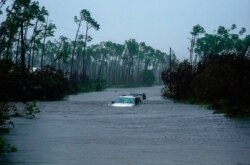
{"x": 179, "y": 81}
{"x": 221, "y": 80}
{"x": 22, "y": 85}
{"x": 31, "y": 109}
{"x": 49, "y": 84}
{"x": 4, "y": 112}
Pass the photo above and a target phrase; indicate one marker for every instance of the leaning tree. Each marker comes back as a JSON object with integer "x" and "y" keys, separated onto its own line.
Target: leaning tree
{"x": 85, "y": 16}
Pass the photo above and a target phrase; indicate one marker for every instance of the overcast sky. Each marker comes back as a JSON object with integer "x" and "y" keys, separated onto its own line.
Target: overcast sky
{"x": 159, "y": 23}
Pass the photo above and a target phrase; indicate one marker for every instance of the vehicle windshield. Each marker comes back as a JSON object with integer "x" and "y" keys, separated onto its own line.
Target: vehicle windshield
{"x": 125, "y": 100}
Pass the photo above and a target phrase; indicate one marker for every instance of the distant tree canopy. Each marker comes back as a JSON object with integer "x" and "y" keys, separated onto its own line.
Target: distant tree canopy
{"x": 26, "y": 40}
{"x": 197, "y": 30}
{"x": 223, "y": 41}
{"x": 220, "y": 73}
{"x": 124, "y": 64}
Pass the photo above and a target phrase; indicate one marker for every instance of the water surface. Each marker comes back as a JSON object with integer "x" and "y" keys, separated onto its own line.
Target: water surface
{"x": 84, "y": 130}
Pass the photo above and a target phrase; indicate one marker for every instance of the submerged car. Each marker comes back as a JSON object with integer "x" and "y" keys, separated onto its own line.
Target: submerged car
{"x": 126, "y": 101}
{"x": 141, "y": 95}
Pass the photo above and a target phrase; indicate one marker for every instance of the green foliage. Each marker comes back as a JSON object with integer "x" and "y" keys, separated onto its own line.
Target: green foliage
{"x": 86, "y": 16}
{"x": 100, "y": 84}
{"x": 5, "y": 109}
{"x": 49, "y": 84}
{"x": 132, "y": 47}
{"x": 180, "y": 80}
{"x": 6, "y": 147}
{"x": 45, "y": 84}
{"x": 2, "y": 144}
{"x": 117, "y": 64}
{"x": 4, "y": 112}
{"x": 197, "y": 29}
{"x": 13, "y": 149}
{"x": 5, "y": 68}
{"x": 221, "y": 76}
{"x": 31, "y": 109}
{"x": 93, "y": 85}
{"x": 148, "y": 77}
{"x": 123, "y": 65}
{"x": 222, "y": 81}
{"x": 225, "y": 41}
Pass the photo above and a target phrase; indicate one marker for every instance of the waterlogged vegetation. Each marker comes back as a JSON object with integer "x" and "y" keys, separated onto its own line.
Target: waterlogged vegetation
{"x": 8, "y": 110}
{"x": 6, "y": 147}
{"x": 5, "y": 125}
{"x": 217, "y": 72}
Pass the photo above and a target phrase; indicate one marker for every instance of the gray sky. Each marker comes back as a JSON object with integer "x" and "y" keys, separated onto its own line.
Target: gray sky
{"x": 158, "y": 23}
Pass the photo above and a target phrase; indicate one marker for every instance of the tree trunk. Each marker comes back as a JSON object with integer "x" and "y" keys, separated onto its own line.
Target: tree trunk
{"x": 22, "y": 47}
{"x": 23, "y": 63}
{"x": 43, "y": 49}
{"x": 84, "y": 52}
{"x": 74, "y": 47}
{"x": 17, "y": 47}
{"x": 30, "y": 58}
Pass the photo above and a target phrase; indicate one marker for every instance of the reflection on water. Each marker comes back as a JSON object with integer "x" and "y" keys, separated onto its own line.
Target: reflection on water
{"x": 85, "y": 130}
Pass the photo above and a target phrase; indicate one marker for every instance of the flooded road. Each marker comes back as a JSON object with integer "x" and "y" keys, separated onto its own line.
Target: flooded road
{"x": 84, "y": 130}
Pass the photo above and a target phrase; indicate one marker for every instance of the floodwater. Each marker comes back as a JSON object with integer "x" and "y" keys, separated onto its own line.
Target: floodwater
{"x": 84, "y": 130}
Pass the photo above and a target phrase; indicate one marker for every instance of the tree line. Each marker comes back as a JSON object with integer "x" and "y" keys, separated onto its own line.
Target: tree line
{"x": 27, "y": 38}
{"x": 118, "y": 64}
{"x": 217, "y": 72}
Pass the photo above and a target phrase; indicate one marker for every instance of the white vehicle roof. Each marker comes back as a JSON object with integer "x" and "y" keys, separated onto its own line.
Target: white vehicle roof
{"x": 127, "y": 96}
{"x": 126, "y": 101}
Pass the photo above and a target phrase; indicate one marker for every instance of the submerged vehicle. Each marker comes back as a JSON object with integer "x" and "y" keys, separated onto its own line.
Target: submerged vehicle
{"x": 126, "y": 101}
{"x": 141, "y": 95}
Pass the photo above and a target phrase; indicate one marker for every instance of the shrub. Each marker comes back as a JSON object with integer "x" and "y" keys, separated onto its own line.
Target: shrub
{"x": 22, "y": 85}
{"x": 49, "y": 84}
{"x": 221, "y": 80}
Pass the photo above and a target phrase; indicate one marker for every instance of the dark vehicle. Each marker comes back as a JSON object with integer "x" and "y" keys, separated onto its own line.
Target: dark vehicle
{"x": 141, "y": 95}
